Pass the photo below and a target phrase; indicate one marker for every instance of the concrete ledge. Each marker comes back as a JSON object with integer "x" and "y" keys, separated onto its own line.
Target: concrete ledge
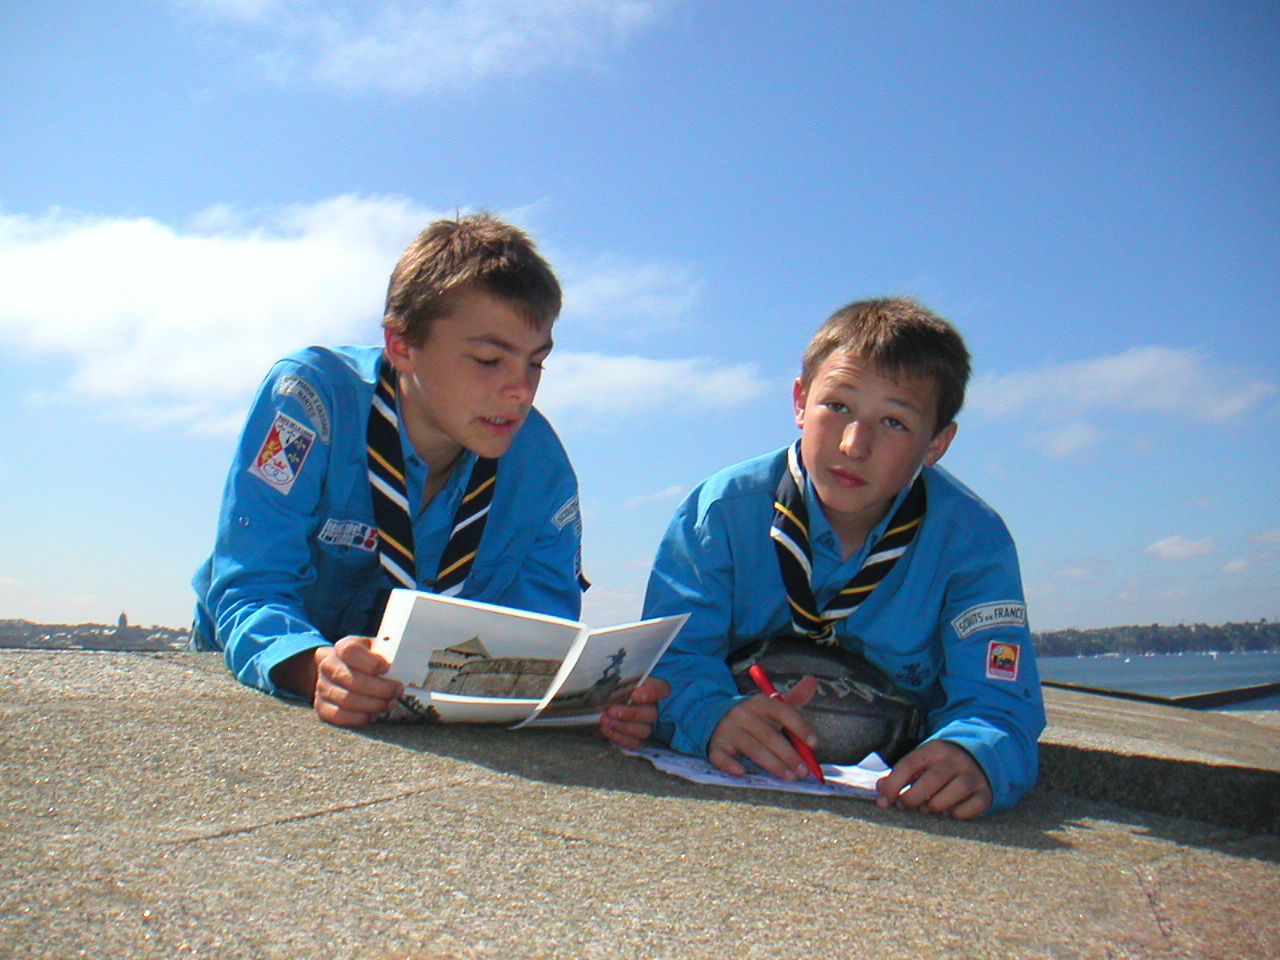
{"x": 1170, "y": 760}
{"x": 152, "y": 807}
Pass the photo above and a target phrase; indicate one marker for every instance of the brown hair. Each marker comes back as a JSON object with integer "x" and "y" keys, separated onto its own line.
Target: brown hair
{"x": 477, "y": 252}
{"x": 899, "y": 337}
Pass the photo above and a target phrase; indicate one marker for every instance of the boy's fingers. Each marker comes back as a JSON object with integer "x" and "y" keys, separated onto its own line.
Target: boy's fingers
{"x": 338, "y": 671}
{"x": 651, "y": 691}
{"x": 722, "y": 760}
{"x": 762, "y": 742}
{"x": 344, "y": 701}
{"x": 974, "y": 806}
{"x": 783, "y": 712}
{"x": 330, "y": 713}
{"x": 801, "y": 693}
{"x": 627, "y": 738}
{"x": 937, "y": 777}
{"x": 627, "y": 713}
{"x": 966, "y": 789}
{"x": 903, "y": 772}
{"x": 356, "y": 652}
{"x": 949, "y": 796}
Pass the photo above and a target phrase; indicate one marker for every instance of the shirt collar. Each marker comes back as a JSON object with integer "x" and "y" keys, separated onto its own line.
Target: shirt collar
{"x": 820, "y": 526}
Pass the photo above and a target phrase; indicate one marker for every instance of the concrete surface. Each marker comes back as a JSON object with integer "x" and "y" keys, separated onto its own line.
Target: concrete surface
{"x": 152, "y": 807}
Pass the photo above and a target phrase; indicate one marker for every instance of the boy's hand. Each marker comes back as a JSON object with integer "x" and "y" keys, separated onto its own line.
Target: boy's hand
{"x": 937, "y": 777}
{"x": 349, "y": 688}
{"x": 629, "y": 724}
{"x": 755, "y": 729}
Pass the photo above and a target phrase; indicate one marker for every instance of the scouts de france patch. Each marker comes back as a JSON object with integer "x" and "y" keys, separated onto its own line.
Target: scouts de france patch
{"x": 350, "y": 533}
{"x": 1002, "y": 660}
{"x": 283, "y": 452}
{"x": 292, "y": 385}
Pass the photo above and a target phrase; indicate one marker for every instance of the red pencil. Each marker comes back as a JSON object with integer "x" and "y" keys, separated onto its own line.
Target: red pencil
{"x": 767, "y": 688}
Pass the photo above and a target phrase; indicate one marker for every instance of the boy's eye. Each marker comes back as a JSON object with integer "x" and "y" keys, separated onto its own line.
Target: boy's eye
{"x": 487, "y": 361}
{"x": 835, "y": 406}
{"x": 894, "y": 424}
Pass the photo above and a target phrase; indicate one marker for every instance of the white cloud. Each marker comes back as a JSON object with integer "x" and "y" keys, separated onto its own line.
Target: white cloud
{"x": 178, "y": 326}
{"x": 1179, "y": 548}
{"x": 1065, "y": 440}
{"x": 611, "y": 387}
{"x": 670, "y": 493}
{"x": 1236, "y": 566}
{"x": 1266, "y": 536}
{"x": 411, "y": 46}
{"x": 1043, "y": 590}
{"x": 234, "y": 9}
{"x": 626, "y": 295}
{"x": 1143, "y": 379}
{"x": 181, "y": 325}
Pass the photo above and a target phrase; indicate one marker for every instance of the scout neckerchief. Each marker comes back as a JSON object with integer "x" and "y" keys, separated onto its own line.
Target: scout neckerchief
{"x": 790, "y": 533}
{"x": 391, "y": 501}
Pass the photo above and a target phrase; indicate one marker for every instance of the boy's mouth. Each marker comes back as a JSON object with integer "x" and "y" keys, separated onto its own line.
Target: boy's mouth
{"x": 847, "y": 478}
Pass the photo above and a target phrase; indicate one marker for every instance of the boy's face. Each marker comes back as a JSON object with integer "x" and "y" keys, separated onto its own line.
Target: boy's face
{"x": 472, "y": 380}
{"x": 863, "y": 438}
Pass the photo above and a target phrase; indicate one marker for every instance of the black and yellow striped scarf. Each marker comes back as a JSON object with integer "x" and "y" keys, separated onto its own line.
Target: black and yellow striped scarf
{"x": 790, "y": 533}
{"x": 391, "y": 501}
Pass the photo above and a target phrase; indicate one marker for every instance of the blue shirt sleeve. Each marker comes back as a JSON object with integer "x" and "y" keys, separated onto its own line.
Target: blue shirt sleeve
{"x": 992, "y": 704}
{"x": 694, "y": 573}
{"x": 262, "y": 563}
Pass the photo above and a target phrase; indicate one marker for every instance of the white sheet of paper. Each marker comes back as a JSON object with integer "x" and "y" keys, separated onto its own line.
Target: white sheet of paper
{"x": 857, "y": 781}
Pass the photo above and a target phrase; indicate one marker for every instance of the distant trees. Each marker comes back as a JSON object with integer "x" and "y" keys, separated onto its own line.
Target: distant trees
{"x": 1157, "y": 638}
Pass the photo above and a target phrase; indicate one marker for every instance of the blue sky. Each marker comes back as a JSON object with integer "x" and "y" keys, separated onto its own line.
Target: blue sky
{"x": 191, "y": 188}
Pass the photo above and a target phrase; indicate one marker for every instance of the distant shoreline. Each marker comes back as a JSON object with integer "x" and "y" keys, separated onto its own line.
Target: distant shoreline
{"x": 26, "y": 635}
{"x": 1154, "y": 638}
{"x": 1157, "y": 638}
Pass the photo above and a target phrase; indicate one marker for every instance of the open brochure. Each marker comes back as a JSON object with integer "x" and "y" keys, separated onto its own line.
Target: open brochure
{"x": 463, "y": 661}
{"x": 842, "y": 781}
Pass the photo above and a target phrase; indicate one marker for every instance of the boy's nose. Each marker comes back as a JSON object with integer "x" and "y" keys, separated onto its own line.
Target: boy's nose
{"x": 855, "y": 442}
{"x": 522, "y": 386}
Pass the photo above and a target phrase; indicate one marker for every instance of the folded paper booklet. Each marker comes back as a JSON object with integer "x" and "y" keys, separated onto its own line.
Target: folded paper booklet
{"x": 462, "y": 661}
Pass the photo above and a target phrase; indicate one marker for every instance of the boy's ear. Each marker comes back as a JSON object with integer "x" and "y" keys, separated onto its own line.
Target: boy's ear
{"x": 397, "y": 349}
{"x": 939, "y": 444}
{"x": 799, "y": 396}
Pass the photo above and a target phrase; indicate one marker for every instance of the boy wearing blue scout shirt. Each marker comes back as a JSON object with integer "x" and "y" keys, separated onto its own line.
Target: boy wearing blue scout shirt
{"x": 853, "y": 536}
{"x": 421, "y": 463}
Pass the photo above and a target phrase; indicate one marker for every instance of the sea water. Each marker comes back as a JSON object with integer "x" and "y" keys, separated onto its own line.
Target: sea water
{"x": 1168, "y": 674}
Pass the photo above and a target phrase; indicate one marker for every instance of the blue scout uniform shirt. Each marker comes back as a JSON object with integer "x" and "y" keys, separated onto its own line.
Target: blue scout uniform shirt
{"x": 296, "y": 563}
{"x": 948, "y": 623}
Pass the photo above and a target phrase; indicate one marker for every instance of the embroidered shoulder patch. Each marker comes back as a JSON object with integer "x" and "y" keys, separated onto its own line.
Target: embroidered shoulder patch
{"x": 292, "y": 385}
{"x": 567, "y": 513}
{"x": 283, "y": 452}
{"x": 349, "y": 533}
{"x": 1002, "y": 660}
{"x": 1002, "y": 613}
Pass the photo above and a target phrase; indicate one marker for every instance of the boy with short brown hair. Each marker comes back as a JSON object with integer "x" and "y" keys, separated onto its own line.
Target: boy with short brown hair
{"x": 853, "y": 537}
{"x": 420, "y": 463}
